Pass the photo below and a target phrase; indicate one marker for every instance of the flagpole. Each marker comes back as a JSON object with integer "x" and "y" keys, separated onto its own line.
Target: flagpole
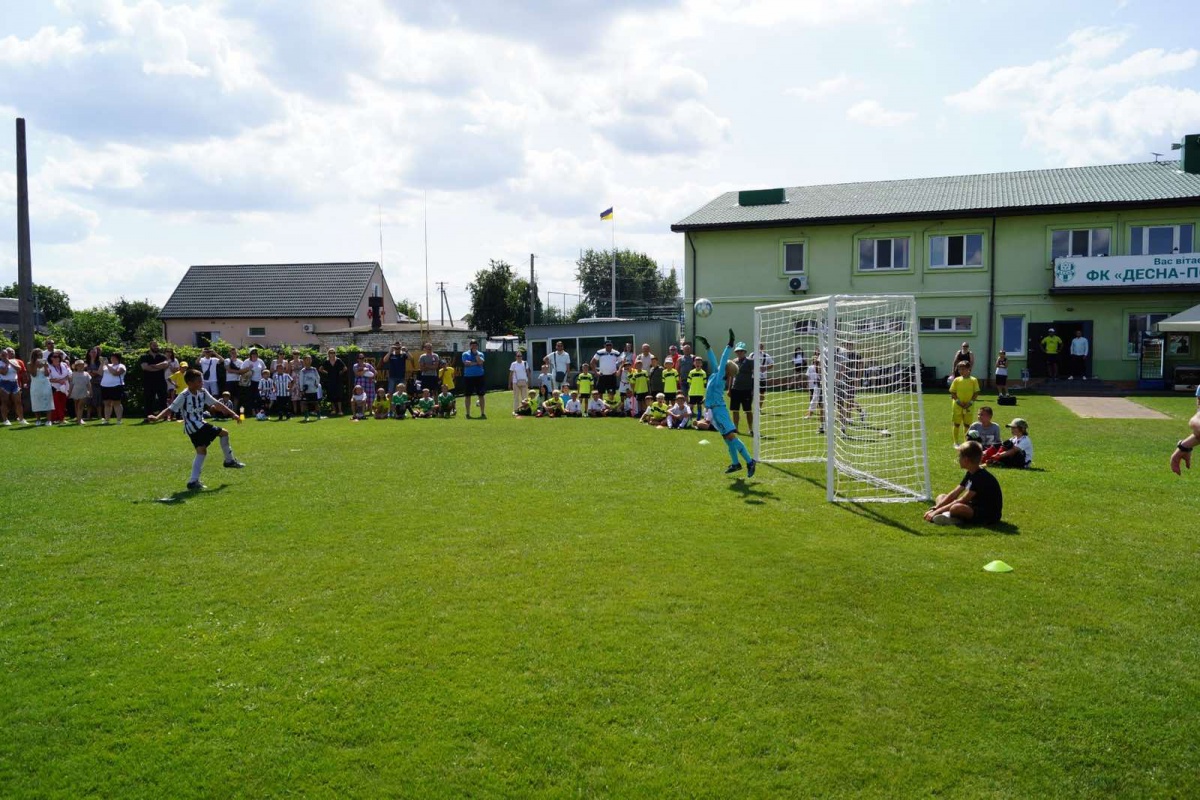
{"x": 613, "y": 220}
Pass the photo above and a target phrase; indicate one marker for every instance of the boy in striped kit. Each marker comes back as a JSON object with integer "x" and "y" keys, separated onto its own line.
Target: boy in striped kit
{"x": 189, "y": 406}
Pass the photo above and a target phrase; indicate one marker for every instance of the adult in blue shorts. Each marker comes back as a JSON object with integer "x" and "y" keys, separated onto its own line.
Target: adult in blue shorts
{"x": 714, "y": 400}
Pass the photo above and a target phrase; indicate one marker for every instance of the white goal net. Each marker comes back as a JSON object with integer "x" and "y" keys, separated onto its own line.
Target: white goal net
{"x": 845, "y": 389}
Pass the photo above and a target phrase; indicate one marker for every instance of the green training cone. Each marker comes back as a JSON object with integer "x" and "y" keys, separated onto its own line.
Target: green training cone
{"x": 998, "y": 566}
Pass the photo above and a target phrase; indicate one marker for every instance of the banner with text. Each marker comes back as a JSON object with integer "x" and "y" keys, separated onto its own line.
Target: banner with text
{"x": 1174, "y": 269}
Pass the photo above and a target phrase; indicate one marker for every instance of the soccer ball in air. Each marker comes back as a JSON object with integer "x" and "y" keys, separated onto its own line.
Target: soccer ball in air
{"x": 703, "y": 307}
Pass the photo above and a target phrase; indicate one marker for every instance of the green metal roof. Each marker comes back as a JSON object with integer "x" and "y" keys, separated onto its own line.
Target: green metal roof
{"x": 1144, "y": 183}
{"x": 270, "y": 290}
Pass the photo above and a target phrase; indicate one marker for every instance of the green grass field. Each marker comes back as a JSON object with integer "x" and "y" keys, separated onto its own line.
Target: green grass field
{"x": 588, "y": 607}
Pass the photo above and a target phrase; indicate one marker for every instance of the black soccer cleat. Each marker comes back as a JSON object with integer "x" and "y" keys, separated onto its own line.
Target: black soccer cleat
{"x": 195, "y": 486}
{"x": 704, "y": 342}
{"x": 732, "y": 468}
{"x": 750, "y": 467}
{"x": 732, "y": 338}
{"x": 234, "y": 464}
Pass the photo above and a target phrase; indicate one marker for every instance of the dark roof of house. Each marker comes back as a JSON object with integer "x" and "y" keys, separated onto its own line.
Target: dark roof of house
{"x": 1144, "y": 183}
{"x": 270, "y": 290}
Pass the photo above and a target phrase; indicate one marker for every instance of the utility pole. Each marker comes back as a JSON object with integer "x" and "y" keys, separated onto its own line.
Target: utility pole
{"x": 444, "y": 302}
{"x": 24, "y": 257}
{"x": 532, "y": 290}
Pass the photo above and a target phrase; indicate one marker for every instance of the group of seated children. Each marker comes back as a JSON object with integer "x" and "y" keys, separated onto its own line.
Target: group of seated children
{"x": 676, "y": 416}
{"x": 399, "y": 404}
{"x": 977, "y": 499}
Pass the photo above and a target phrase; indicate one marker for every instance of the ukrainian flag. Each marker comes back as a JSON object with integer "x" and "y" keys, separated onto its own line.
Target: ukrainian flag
{"x": 606, "y": 214}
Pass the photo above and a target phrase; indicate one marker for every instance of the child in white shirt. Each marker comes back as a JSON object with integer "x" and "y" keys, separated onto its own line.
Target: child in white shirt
{"x": 595, "y": 406}
{"x": 573, "y": 409}
{"x": 679, "y": 415}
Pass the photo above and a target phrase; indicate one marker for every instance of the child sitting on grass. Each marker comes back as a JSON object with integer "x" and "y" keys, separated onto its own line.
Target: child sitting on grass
{"x": 447, "y": 406}
{"x": 612, "y": 405}
{"x": 573, "y": 407}
{"x": 679, "y": 415}
{"x": 629, "y": 408}
{"x": 226, "y": 400}
{"x": 528, "y": 406}
{"x": 656, "y": 412}
{"x": 595, "y": 406}
{"x": 552, "y": 407}
{"x": 976, "y": 500}
{"x": 360, "y": 404}
{"x": 705, "y": 420}
{"x": 425, "y": 405}
{"x": 399, "y": 402}
{"x": 379, "y": 408}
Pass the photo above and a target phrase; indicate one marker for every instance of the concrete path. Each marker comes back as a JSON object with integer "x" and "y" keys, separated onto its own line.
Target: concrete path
{"x": 1109, "y": 408}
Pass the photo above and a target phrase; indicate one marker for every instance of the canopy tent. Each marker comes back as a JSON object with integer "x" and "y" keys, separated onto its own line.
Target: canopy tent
{"x": 1183, "y": 322}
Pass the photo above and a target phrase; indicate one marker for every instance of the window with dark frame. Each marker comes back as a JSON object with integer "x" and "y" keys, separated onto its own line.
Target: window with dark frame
{"x": 1081, "y": 243}
{"x": 793, "y": 258}
{"x": 883, "y": 254}
{"x": 956, "y": 251}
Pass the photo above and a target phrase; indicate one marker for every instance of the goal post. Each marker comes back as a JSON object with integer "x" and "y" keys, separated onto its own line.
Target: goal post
{"x": 845, "y": 390}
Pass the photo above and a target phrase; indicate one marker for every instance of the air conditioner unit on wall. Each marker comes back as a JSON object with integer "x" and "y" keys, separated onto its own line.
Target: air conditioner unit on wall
{"x": 308, "y": 327}
{"x": 798, "y": 284}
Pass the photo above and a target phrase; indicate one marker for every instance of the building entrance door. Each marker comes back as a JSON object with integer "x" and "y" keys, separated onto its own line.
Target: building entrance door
{"x": 1065, "y": 329}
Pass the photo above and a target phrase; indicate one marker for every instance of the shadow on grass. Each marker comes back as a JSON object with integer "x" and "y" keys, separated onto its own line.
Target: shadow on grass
{"x": 183, "y": 496}
{"x": 752, "y": 493}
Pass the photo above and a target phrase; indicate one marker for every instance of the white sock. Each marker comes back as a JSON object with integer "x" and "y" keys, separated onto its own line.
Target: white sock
{"x": 197, "y": 465}
{"x": 226, "y": 449}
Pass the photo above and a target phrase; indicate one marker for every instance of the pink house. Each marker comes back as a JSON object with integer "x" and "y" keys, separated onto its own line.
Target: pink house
{"x": 272, "y": 304}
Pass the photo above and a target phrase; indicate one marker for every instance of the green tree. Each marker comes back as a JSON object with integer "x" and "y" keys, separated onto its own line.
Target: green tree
{"x": 139, "y": 321}
{"x": 54, "y": 305}
{"x": 88, "y": 327}
{"x": 641, "y": 287}
{"x": 500, "y": 300}
{"x": 408, "y": 308}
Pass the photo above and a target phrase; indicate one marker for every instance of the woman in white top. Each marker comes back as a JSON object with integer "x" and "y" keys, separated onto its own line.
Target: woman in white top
{"x": 518, "y": 379}
{"x": 41, "y": 396}
{"x": 112, "y": 387}
{"x": 60, "y": 386}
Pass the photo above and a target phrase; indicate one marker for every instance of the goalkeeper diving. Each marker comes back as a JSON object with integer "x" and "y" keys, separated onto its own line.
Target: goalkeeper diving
{"x": 714, "y": 400}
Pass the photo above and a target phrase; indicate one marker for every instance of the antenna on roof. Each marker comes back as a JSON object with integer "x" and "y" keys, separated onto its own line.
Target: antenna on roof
{"x": 1157, "y": 156}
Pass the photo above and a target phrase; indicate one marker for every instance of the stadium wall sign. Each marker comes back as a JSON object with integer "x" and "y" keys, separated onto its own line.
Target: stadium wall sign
{"x": 1173, "y": 269}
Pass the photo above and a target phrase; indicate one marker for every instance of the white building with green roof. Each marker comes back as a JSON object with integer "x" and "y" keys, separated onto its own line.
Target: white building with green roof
{"x": 993, "y": 260}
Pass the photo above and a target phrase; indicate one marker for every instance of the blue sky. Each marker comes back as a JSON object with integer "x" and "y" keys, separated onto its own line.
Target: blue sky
{"x": 165, "y": 134}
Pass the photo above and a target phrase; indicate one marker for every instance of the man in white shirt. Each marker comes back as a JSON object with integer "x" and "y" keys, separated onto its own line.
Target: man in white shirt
{"x": 560, "y": 364}
{"x": 1079, "y": 354}
{"x": 642, "y": 360}
{"x": 763, "y": 363}
{"x": 208, "y": 371}
{"x": 607, "y": 363}
{"x": 233, "y": 376}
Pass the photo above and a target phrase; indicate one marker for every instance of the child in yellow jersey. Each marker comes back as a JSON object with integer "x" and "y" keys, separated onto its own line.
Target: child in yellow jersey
{"x": 612, "y": 405}
{"x": 553, "y": 407}
{"x": 670, "y": 378}
{"x": 585, "y": 381}
{"x": 639, "y": 384}
{"x": 446, "y": 376}
{"x": 528, "y": 406}
{"x": 963, "y": 392}
{"x": 696, "y": 380}
{"x": 381, "y": 406}
{"x": 656, "y": 413}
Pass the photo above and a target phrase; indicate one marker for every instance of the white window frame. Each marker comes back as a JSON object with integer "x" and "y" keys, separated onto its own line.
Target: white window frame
{"x": 875, "y": 241}
{"x": 1145, "y": 243}
{"x": 982, "y": 250}
{"x": 1024, "y": 334}
{"x": 952, "y": 328}
{"x": 1071, "y": 231}
{"x": 1131, "y": 353}
{"x": 250, "y": 332}
{"x": 783, "y": 246}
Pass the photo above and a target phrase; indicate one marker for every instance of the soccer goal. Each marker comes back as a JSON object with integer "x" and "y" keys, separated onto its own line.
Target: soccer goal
{"x": 845, "y": 389}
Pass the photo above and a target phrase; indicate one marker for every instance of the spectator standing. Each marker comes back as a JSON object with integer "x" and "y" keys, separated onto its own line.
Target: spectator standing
{"x": 95, "y": 371}
{"x": 208, "y": 371}
{"x": 60, "y": 383}
{"x": 429, "y": 364}
{"x": 154, "y": 366}
{"x": 964, "y": 390}
{"x": 41, "y": 396}
{"x": 741, "y": 389}
{"x": 112, "y": 388}
{"x": 627, "y": 355}
{"x": 10, "y": 387}
{"x": 1002, "y": 374}
{"x": 1079, "y": 356}
{"x": 655, "y": 376}
{"x": 642, "y": 360}
{"x": 252, "y": 370}
{"x": 446, "y": 377}
{"x": 233, "y": 376}
{"x": 173, "y": 367}
{"x": 799, "y": 370}
{"x": 1051, "y": 343}
{"x": 294, "y": 366}
{"x": 474, "y": 382}
{"x": 309, "y": 381}
{"x": 962, "y": 356}
{"x": 686, "y": 360}
{"x": 17, "y": 401}
{"x": 672, "y": 359}
{"x": 607, "y": 362}
{"x": 764, "y": 363}
{"x": 518, "y": 379}
{"x": 334, "y": 372}
{"x": 560, "y": 364}
{"x": 397, "y": 366}
{"x": 364, "y": 376}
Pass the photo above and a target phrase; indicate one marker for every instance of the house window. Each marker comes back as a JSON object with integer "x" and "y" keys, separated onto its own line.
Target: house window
{"x": 882, "y": 254}
{"x": 945, "y": 324}
{"x": 1012, "y": 335}
{"x": 956, "y": 252}
{"x": 256, "y": 333}
{"x": 793, "y": 258}
{"x": 1081, "y": 242}
{"x": 1139, "y": 325}
{"x": 1157, "y": 240}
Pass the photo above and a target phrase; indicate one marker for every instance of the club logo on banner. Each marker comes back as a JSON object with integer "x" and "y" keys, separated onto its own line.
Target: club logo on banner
{"x": 1173, "y": 270}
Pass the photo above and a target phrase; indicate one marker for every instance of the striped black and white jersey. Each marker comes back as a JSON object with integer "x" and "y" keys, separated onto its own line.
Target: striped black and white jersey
{"x": 190, "y": 408}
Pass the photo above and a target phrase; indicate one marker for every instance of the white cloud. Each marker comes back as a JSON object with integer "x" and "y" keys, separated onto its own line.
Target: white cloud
{"x": 872, "y": 113}
{"x": 1089, "y": 104}
{"x": 836, "y": 86}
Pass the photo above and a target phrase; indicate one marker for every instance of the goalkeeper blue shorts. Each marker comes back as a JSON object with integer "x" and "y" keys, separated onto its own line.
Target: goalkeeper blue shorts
{"x": 721, "y": 421}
